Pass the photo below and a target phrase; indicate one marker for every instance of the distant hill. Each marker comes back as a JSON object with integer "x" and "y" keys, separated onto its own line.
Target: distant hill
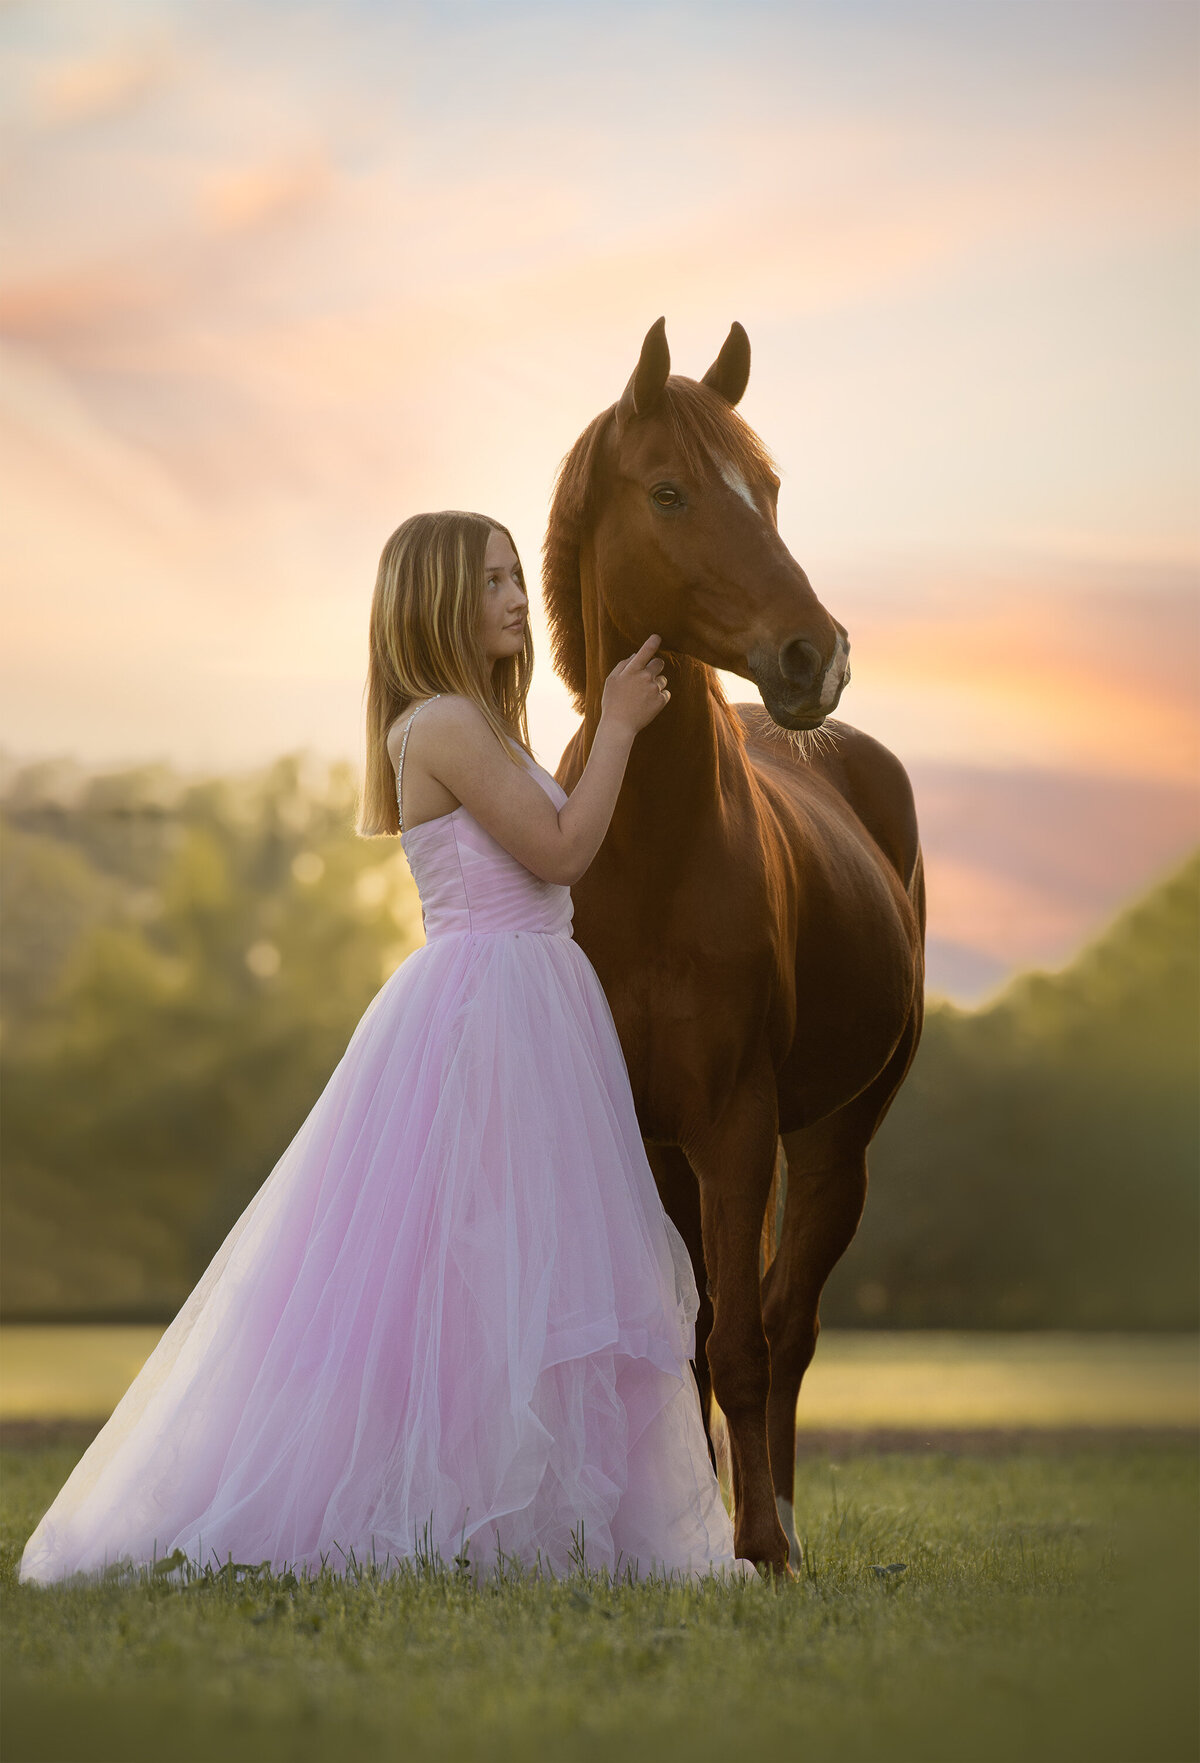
{"x": 1039, "y": 1167}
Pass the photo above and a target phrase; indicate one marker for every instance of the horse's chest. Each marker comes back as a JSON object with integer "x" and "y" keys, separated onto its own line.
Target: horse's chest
{"x": 680, "y": 1042}
{"x": 691, "y": 991}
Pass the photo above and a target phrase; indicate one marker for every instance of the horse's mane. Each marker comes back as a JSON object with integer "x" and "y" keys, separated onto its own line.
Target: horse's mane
{"x": 706, "y": 431}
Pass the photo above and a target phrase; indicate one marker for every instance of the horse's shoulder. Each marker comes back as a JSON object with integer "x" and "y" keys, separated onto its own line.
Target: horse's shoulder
{"x": 835, "y": 747}
{"x": 866, "y": 760}
{"x": 866, "y": 774}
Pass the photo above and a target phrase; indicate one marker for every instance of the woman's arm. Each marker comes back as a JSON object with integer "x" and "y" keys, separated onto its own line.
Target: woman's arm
{"x": 454, "y": 743}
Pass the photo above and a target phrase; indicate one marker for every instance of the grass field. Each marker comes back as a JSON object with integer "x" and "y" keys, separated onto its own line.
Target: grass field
{"x": 1046, "y": 1611}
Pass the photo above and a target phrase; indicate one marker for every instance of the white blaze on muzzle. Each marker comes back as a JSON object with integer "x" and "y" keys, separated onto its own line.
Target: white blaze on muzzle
{"x": 835, "y": 673}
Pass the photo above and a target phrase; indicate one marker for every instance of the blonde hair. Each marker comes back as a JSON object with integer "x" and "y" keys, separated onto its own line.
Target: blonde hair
{"x": 424, "y": 639}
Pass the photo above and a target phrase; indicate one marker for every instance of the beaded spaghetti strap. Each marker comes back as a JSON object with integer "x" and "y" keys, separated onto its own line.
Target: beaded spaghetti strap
{"x": 400, "y": 765}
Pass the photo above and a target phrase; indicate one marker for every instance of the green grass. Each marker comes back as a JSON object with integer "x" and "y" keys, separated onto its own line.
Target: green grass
{"x": 1047, "y": 1612}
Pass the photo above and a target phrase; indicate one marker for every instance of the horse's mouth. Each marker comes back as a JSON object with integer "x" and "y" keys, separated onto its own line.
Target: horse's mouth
{"x": 805, "y": 714}
{"x": 795, "y": 722}
{"x": 797, "y": 717}
{"x": 792, "y": 706}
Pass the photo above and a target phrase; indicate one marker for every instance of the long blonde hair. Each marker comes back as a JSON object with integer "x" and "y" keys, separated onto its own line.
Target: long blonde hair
{"x": 424, "y": 639}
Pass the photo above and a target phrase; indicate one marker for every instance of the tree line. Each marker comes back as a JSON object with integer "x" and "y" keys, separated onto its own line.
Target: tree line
{"x": 183, "y": 960}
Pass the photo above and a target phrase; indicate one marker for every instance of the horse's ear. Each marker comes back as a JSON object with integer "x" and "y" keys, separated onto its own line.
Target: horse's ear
{"x": 730, "y": 372}
{"x": 646, "y": 383}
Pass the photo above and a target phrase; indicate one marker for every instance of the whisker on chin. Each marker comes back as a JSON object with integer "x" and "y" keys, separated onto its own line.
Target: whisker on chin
{"x": 807, "y": 743}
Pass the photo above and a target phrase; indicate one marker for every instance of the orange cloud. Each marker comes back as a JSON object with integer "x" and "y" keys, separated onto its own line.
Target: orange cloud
{"x": 1033, "y": 668}
{"x": 90, "y": 302}
{"x": 70, "y": 93}
{"x": 250, "y": 198}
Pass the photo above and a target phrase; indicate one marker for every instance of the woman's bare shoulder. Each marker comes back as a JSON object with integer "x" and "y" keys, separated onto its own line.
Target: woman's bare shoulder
{"x": 449, "y": 712}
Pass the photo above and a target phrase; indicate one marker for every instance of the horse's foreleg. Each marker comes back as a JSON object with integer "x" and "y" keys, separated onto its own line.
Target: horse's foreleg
{"x": 681, "y": 1197}
{"x": 734, "y": 1159}
{"x": 826, "y": 1192}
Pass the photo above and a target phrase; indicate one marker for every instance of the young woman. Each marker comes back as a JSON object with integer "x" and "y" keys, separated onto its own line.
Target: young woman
{"x": 455, "y": 1319}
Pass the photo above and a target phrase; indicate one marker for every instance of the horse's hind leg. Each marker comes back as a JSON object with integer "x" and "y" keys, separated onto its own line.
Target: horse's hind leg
{"x": 680, "y": 1195}
{"x": 826, "y": 1192}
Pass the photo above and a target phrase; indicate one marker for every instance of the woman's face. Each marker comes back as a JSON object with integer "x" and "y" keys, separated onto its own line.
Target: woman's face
{"x": 505, "y": 603}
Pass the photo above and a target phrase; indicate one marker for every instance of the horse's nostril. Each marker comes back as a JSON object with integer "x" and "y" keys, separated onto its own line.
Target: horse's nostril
{"x": 800, "y": 663}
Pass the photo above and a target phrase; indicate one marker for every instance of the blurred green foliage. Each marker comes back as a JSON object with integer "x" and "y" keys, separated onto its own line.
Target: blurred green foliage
{"x": 183, "y": 961}
{"x": 1039, "y": 1167}
{"x": 182, "y": 964}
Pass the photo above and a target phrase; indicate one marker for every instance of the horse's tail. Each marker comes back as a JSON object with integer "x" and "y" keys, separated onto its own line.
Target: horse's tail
{"x": 769, "y": 1241}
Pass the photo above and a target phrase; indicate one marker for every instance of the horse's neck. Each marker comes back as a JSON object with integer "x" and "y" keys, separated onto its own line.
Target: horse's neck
{"x": 680, "y": 762}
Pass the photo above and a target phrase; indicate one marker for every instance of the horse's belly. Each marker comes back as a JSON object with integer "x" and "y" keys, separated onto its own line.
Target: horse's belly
{"x": 857, "y": 983}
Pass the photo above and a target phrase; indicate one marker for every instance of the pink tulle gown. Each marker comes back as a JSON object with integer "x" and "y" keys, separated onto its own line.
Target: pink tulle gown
{"x": 455, "y": 1314}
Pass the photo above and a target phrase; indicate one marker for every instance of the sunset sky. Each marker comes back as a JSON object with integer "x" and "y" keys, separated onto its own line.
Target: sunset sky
{"x": 277, "y": 275}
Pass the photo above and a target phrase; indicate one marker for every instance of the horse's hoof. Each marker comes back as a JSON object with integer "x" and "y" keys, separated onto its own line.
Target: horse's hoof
{"x": 775, "y": 1571}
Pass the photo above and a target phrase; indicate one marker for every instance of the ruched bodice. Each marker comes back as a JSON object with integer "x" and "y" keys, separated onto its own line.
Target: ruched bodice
{"x": 468, "y": 883}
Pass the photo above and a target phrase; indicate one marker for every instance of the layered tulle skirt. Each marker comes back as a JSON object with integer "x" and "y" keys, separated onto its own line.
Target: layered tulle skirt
{"x": 454, "y": 1319}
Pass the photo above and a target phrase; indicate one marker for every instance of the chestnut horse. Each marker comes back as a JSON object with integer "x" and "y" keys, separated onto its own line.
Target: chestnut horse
{"x": 756, "y": 912}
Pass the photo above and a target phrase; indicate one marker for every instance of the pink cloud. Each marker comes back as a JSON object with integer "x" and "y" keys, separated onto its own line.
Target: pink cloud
{"x": 1024, "y": 866}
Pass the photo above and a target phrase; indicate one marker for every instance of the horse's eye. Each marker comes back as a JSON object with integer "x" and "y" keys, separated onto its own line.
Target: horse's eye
{"x": 665, "y": 496}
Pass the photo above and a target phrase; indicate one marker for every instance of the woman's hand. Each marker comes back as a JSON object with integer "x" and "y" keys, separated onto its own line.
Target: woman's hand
{"x": 635, "y": 691}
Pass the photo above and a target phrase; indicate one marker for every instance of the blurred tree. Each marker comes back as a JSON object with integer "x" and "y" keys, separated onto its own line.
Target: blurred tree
{"x": 183, "y": 962}
{"x": 1038, "y": 1169}
{"x": 183, "y": 987}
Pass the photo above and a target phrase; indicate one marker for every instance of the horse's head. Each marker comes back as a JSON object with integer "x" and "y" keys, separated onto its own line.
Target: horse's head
{"x": 675, "y": 496}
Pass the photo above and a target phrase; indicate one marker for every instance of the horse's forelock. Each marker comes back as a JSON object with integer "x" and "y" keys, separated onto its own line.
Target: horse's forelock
{"x": 707, "y": 431}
